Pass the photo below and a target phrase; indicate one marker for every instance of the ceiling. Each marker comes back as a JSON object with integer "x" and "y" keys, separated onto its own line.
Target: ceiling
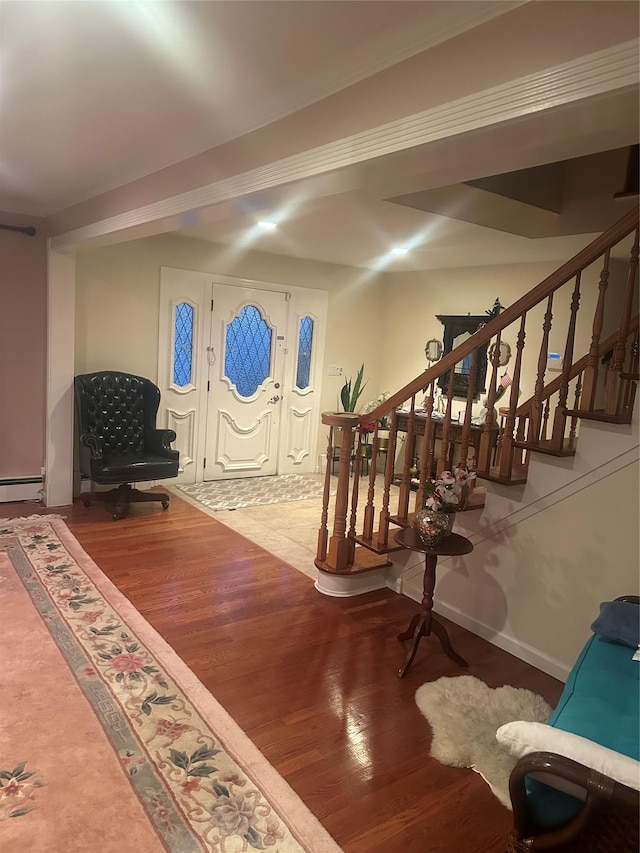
{"x": 95, "y": 95}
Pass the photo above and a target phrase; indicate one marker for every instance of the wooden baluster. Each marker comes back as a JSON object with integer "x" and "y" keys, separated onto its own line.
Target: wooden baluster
{"x": 506, "y": 451}
{"x": 446, "y": 428}
{"x": 536, "y": 412}
{"x": 633, "y": 356}
{"x": 523, "y": 430}
{"x": 431, "y": 448}
{"x": 498, "y": 453}
{"x": 484, "y": 456}
{"x": 576, "y": 404}
{"x": 357, "y": 462}
{"x": 383, "y": 527}
{"x": 323, "y": 532}
{"x": 591, "y": 371}
{"x": 545, "y": 420}
{"x": 426, "y": 455}
{"x": 560, "y": 414}
{"x": 341, "y": 548}
{"x": 466, "y": 427}
{"x": 613, "y": 391}
{"x": 409, "y": 450}
{"x": 630, "y": 378}
{"x": 369, "y": 510}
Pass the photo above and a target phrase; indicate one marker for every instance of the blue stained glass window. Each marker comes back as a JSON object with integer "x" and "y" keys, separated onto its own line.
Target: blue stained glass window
{"x": 247, "y": 356}
{"x": 305, "y": 343}
{"x": 183, "y": 345}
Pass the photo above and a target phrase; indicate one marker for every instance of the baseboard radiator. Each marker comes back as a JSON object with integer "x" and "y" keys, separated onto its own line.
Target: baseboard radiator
{"x": 20, "y": 488}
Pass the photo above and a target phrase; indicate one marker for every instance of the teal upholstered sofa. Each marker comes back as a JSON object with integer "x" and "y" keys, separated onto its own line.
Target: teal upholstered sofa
{"x": 576, "y": 784}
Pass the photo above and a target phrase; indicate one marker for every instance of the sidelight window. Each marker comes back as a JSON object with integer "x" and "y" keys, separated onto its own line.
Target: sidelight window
{"x": 305, "y": 344}
{"x": 183, "y": 345}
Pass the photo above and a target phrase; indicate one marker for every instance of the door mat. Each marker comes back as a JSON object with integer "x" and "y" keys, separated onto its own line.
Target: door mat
{"x": 254, "y": 491}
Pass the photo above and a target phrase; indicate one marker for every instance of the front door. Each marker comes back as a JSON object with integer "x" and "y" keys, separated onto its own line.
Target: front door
{"x": 246, "y": 374}
{"x": 242, "y": 400}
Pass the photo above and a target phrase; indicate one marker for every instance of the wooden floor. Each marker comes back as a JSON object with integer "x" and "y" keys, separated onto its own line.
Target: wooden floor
{"x": 312, "y": 680}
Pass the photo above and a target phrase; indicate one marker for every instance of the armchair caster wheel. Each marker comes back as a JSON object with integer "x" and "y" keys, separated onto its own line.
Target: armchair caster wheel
{"x": 116, "y": 516}
{"x": 86, "y": 503}
{"x": 165, "y": 504}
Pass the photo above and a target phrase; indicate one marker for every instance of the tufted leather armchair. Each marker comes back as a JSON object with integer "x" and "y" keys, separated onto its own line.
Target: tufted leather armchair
{"x": 119, "y": 442}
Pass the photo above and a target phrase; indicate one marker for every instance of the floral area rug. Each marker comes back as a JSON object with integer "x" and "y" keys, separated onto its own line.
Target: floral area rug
{"x": 109, "y": 742}
{"x": 254, "y": 491}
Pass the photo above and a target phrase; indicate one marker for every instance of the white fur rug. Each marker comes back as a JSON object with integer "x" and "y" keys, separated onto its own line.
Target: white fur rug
{"x": 464, "y": 714}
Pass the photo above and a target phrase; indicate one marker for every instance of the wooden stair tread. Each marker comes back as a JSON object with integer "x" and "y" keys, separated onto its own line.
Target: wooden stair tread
{"x": 372, "y": 544}
{"x": 364, "y": 560}
{"x": 518, "y": 475}
{"x": 548, "y": 448}
{"x": 601, "y": 415}
{"x": 402, "y": 522}
{"x": 476, "y": 500}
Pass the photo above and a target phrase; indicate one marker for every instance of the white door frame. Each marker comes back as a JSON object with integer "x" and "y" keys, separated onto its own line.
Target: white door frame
{"x": 298, "y": 436}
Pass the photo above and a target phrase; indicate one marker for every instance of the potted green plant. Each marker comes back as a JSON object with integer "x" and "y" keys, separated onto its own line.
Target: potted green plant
{"x": 349, "y": 396}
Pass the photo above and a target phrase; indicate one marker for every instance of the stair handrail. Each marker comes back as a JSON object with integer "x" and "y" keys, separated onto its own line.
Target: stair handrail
{"x": 337, "y": 548}
{"x": 618, "y": 231}
{"x": 578, "y": 366}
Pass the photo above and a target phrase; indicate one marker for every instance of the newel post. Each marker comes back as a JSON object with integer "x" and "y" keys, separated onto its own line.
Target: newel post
{"x": 340, "y": 553}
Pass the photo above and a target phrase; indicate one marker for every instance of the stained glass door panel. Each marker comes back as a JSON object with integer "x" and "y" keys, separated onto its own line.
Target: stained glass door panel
{"x": 248, "y": 345}
{"x": 244, "y": 413}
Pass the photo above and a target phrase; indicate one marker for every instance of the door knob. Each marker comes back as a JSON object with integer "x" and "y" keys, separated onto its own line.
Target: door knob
{"x": 274, "y": 399}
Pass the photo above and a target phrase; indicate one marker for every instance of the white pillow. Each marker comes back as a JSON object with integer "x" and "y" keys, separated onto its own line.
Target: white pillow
{"x": 522, "y": 737}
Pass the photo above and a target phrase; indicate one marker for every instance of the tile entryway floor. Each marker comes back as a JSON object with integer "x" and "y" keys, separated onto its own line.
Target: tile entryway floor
{"x": 290, "y": 529}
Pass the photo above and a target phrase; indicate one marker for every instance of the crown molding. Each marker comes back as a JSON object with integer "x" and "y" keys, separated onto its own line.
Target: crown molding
{"x": 605, "y": 71}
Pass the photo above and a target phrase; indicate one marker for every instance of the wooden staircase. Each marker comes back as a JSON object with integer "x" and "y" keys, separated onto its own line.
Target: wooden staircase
{"x": 599, "y": 385}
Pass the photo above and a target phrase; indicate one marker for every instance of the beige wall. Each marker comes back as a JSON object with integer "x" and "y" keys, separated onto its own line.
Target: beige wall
{"x": 23, "y": 318}
{"x": 418, "y": 297}
{"x": 540, "y": 580}
{"x": 584, "y": 550}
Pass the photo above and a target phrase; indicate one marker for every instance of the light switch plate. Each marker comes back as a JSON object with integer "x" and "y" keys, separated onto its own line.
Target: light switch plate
{"x": 554, "y": 361}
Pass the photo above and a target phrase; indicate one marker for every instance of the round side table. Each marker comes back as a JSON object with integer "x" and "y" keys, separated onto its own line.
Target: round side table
{"x": 425, "y": 623}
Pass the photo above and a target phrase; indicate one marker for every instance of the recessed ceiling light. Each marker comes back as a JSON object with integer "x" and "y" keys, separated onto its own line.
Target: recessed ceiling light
{"x": 268, "y": 226}
{"x": 398, "y": 250}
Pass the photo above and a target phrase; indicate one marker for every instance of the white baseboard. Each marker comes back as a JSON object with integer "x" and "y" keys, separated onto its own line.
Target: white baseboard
{"x": 21, "y": 489}
{"x": 503, "y": 641}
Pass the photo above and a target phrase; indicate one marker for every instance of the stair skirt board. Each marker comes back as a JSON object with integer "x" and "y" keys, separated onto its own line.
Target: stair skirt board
{"x": 346, "y": 586}
{"x": 20, "y": 489}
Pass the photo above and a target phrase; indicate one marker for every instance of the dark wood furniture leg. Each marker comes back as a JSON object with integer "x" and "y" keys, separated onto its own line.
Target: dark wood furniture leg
{"x": 424, "y": 623}
{"x": 118, "y": 500}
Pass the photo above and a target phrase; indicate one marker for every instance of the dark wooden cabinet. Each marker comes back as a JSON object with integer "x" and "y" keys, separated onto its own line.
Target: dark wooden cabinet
{"x": 455, "y": 436}
{"x": 458, "y": 328}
